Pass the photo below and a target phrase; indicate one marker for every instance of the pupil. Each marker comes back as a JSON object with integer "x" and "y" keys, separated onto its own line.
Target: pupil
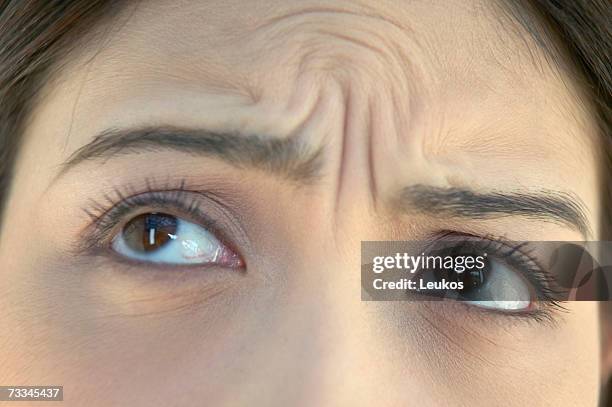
{"x": 472, "y": 278}
{"x": 150, "y": 232}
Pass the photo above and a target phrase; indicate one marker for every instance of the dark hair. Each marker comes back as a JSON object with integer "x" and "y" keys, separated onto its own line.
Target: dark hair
{"x": 34, "y": 36}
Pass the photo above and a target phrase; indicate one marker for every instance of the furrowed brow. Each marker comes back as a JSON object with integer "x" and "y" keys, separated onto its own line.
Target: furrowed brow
{"x": 286, "y": 157}
{"x": 553, "y": 206}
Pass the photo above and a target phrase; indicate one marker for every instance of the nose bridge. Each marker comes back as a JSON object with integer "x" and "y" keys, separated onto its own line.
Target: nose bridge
{"x": 329, "y": 305}
{"x": 355, "y": 84}
{"x": 324, "y": 280}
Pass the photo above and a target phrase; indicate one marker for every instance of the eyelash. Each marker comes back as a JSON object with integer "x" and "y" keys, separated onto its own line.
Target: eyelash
{"x": 520, "y": 258}
{"x": 117, "y": 207}
{"x": 111, "y": 214}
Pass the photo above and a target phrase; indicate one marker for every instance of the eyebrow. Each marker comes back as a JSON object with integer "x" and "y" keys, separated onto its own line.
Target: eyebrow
{"x": 554, "y": 206}
{"x": 294, "y": 161}
{"x": 286, "y": 157}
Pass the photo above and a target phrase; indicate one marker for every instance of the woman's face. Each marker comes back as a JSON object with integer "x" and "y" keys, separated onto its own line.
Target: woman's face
{"x": 287, "y": 133}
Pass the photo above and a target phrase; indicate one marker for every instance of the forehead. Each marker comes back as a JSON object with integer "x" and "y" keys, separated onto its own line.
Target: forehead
{"x": 456, "y": 56}
{"x": 447, "y": 46}
{"x": 457, "y": 76}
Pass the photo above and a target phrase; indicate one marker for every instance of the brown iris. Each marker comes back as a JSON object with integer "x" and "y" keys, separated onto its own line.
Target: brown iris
{"x": 150, "y": 231}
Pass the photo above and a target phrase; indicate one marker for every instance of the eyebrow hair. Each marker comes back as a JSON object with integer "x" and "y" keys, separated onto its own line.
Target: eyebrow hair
{"x": 293, "y": 160}
{"x": 555, "y": 206}
{"x": 284, "y": 156}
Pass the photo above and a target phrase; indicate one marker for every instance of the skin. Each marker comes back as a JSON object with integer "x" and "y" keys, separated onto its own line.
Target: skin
{"x": 451, "y": 94}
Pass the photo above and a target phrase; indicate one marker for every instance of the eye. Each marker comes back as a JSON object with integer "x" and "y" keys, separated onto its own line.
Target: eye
{"x": 508, "y": 278}
{"x": 165, "y": 239}
{"x": 499, "y": 288}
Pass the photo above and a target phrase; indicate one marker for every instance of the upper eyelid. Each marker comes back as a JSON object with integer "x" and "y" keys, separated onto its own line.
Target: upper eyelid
{"x": 106, "y": 219}
{"x": 103, "y": 212}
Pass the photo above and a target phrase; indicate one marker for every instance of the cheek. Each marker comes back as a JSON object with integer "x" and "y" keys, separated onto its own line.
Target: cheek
{"x": 451, "y": 355}
{"x": 557, "y": 366}
{"x": 578, "y": 356}
{"x": 98, "y": 336}
{"x": 99, "y": 331}
{"x": 565, "y": 360}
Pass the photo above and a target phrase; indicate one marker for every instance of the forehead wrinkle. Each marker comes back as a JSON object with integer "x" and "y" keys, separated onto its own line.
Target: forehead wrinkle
{"x": 324, "y": 19}
{"x": 210, "y": 71}
{"x": 363, "y": 12}
{"x": 415, "y": 51}
{"x": 222, "y": 76}
{"x": 338, "y": 42}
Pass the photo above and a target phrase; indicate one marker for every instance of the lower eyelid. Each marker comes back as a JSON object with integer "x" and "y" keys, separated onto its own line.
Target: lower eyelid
{"x": 544, "y": 315}
{"x": 126, "y": 272}
{"x": 157, "y": 293}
